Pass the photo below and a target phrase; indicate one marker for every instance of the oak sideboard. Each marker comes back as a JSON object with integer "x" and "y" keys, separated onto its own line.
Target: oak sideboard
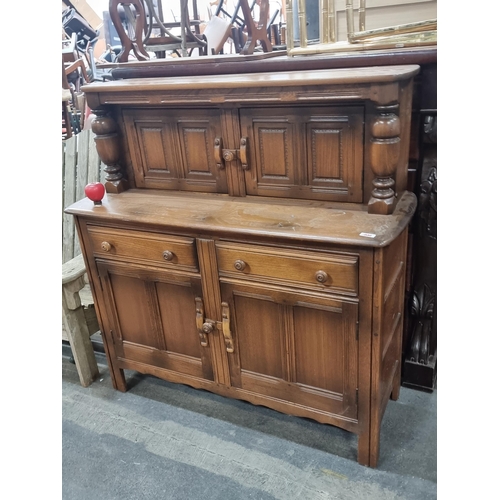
{"x": 253, "y": 237}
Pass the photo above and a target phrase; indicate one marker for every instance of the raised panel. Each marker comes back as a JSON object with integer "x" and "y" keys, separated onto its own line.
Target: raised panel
{"x": 319, "y": 358}
{"x": 260, "y": 351}
{"x": 196, "y": 139}
{"x": 133, "y": 310}
{"x": 178, "y": 319}
{"x": 273, "y": 160}
{"x": 273, "y": 154}
{"x": 153, "y": 149}
{"x": 174, "y": 149}
{"x": 334, "y": 143}
{"x": 326, "y": 154}
{"x": 274, "y": 151}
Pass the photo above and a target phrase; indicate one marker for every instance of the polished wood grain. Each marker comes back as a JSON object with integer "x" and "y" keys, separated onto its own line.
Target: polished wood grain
{"x": 143, "y": 247}
{"x": 343, "y": 76}
{"x": 259, "y": 251}
{"x": 338, "y": 273}
{"x": 232, "y": 216}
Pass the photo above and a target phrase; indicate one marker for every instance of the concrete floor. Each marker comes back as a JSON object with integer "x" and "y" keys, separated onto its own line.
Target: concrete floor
{"x": 168, "y": 441}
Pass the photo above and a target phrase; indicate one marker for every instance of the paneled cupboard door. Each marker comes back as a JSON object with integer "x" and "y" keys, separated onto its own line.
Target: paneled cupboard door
{"x": 155, "y": 317}
{"x": 288, "y": 345}
{"x": 298, "y": 152}
{"x": 174, "y": 149}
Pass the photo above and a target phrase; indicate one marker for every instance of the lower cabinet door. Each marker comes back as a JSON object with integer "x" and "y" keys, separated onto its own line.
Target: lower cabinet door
{"x": 293, "y": 346}
{"x": 153, "y": 314}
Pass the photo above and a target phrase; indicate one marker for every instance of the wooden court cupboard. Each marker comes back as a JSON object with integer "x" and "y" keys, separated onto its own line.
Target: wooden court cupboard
{"x": 252, "y": 240}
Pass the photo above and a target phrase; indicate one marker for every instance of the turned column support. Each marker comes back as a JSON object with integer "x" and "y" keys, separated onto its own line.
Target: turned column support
{"x": 108, "y": 149}
{"x": 384, "y": 158}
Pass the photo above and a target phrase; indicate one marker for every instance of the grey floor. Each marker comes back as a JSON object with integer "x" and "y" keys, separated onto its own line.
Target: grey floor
{"x": 168, "y": 441}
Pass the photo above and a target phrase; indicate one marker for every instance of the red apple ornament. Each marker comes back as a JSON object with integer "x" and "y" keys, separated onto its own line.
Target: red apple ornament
{"x": 95, "y": 192}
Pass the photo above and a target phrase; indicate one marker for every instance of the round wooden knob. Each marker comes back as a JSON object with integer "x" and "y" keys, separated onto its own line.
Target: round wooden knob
{"x": 207, "y": 327}
{"x": 168, "y": 255}
{"x": 228, "y": 155}
{"x": 321, "y": 277}
{"x": 239, "y": 265}
{"x": 105, "y": 246}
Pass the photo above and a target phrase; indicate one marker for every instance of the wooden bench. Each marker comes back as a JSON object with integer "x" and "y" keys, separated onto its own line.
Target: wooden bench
{"x": 80, "y": 165}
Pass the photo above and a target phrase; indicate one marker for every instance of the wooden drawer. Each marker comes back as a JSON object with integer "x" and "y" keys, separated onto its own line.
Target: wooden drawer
{"x": 315, "y": 270}
{"x": 144, "y": 247}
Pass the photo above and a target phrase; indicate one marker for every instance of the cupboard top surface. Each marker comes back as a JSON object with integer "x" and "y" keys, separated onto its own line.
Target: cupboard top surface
{"x": 230, "y": 216}
{"x": 340, "y": 76}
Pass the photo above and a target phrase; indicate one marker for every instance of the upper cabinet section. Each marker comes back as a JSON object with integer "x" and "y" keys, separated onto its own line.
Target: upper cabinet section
{"x": 339, "y": 135}
{"x": 291, "y": 152}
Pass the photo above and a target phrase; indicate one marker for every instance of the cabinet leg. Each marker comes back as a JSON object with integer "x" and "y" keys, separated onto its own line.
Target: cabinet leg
{"x": 117, "y": 374}
{"x": 369, "y": 448}
{"x": 364, "y": 448}
{"x": 118, "y": 379}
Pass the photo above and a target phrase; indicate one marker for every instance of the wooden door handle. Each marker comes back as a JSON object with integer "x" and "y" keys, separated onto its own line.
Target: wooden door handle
{"x": 226, "y": 331}
{"x": 217, "y": 152}
{"x": 243, "y": 153}
{"x": 200, "y": 321}
{"x": 222, "y": 155}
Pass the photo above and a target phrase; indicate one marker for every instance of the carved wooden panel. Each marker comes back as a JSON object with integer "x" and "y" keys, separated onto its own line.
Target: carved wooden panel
{"x": 154, "y": 317}
{"x": 314, "y": 153}
{"x": 275, "y": 354}
{"x": 174, "y": 149}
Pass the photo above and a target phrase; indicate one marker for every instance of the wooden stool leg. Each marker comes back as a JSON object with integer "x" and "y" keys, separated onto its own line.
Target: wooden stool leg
{"x": 78, "y": 332}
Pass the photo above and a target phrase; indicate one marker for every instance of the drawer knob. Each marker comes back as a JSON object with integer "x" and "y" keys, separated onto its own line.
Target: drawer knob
{"x": 321, "y": 277}
{"x": 240, "y": 265}
{"x": 105, "y": 246}
{"x": 168, "y": 255}
{"x": 207, "y": 327}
